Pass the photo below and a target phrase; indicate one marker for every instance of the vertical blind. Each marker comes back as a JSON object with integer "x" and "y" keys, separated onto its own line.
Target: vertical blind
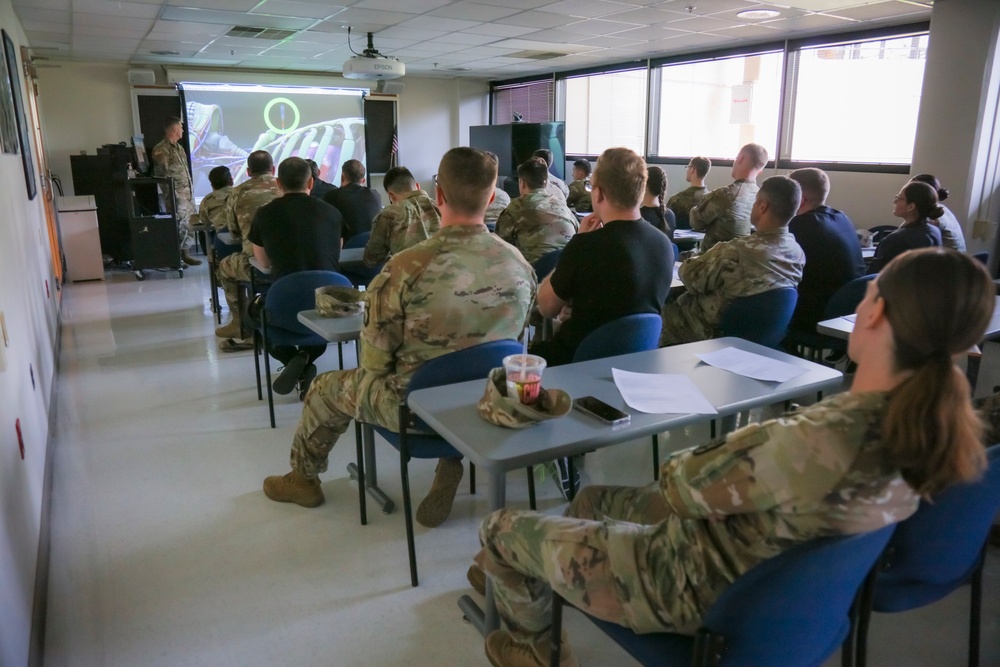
{"x": 523, "y": 102}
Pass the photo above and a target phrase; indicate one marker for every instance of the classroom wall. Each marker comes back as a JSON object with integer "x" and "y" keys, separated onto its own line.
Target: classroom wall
{"x": 31, "y": 320}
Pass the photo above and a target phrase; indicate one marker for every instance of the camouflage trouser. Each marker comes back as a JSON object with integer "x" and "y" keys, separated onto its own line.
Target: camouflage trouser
{"x": 588, "y": 557}
{"x": 334, "y": 399}
{"x": 230, "y": 272}
{"x": 183, "y": 210}
{"x": 681, "y": 326}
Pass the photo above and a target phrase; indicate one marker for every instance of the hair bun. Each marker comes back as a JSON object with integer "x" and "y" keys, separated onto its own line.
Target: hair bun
{"x": 936, "y": 213}
{"x": 942, "y": 194}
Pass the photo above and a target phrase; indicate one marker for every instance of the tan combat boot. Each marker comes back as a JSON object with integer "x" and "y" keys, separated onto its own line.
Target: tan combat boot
{"x": 294, "y": 488}
{"x": 188, "y": 259}
{"x": 503, "y": 651}
{"x": 436, "y": 507}
{"x": 477, "y": 579}
{"x": 230, "y": 329}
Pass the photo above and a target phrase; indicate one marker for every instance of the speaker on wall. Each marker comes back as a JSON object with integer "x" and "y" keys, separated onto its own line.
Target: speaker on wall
{"x": 141, "y": 77}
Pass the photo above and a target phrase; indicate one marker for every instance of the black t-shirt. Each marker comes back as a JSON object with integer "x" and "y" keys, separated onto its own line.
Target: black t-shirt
{"x": 299, "y": 233}
{"x": 621, "y": 269}
{"x": 665, "y": 220}
{"x": 358, "y": 204}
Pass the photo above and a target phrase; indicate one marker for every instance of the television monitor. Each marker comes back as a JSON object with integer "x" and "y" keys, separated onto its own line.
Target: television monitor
{"x": 141, "y": 161}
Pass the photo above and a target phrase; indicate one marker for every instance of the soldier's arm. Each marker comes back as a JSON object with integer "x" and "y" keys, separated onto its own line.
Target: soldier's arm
{"x": 989, "y": 411}
{"x": 231, "y": 221}
{"x": 377, "y": 249}
{"x": 705, "y": 273}
{"x": 505, "y": 227}
{"x": 705, "y": 213}
{"x": 382, "y": 333}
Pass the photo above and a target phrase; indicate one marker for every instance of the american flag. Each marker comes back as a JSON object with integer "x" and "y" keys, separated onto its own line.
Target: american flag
{"x": 394, "y": 156}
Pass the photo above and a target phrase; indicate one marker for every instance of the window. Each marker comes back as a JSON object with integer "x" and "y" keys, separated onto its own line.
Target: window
{"x": 856, "y": 102}
{"x": 713, "y": 107}
{"x": 529, "y": 102}
{"x": 604, "y": 111}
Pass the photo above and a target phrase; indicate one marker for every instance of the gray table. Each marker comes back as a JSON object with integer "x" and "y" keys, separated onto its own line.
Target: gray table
{"x": 228, "y": 238}
{"x": 451, "y": 411}
{"x": 341, "y": 330}
{"x": 352, "y": 258}
{"x": 266, "y": 270}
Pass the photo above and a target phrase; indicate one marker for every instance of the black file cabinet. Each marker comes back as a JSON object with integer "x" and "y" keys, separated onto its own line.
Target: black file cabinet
{"x": 152, "y": 226}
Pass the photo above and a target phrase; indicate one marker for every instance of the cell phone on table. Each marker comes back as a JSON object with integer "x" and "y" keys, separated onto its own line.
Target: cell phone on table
{"x": 600, "y": 410}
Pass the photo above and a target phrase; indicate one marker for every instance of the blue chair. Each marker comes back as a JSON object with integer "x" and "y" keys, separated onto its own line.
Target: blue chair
{"x": 279, "y": 323}
{"x": 792, "y": 610}
{"x": 843, "y": 302}
{"x": 761, "y": 318}
{"x": 417, "y": 440}
{"x": 941, "y": 547}
{"x": 361, "y": 276}
{"x": 983, "y": 257}
{"x": 546, "y": 264}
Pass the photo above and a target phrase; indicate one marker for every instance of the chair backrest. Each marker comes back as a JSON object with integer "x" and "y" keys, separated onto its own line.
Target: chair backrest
{"x": 677, "y": 252}
{"x": 545, "y": 264}
{"x": 632, "y": 333}
{"x": 879, "y": 232}
{"x": 358, "y": 240}
{"x": 792, "y": 610}
{"x": 760, "y": 318}
{"x": 846, "y": 299}
{"x": 294, "y": 293}
{"x": 941, "y": 542}
{"x": 983, "y": 257}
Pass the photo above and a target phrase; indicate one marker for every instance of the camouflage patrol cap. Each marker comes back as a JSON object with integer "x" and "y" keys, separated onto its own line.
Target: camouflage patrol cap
{"x": 337, "y": 301}
{"x": 497, "y": 409}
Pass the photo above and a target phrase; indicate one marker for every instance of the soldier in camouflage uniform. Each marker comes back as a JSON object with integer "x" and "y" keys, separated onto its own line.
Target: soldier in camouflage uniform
{"x": 170, "y": 161}
{"x": 579, "y": 189}
{"x": 537, "y": 222}
{"x": 656, "y": 559}
{"x": 555, "y": 185}
{"x": 241, "y": 206}
{"x": 501, "y": 200}
{"x": 744, "y": 266}
{"x": 461, "y": 287}
{"x": 410, "y": 218}
{"x": 212, "y": 210}
{"x": 685, "y": 200}
{"x": 724, "y": 213}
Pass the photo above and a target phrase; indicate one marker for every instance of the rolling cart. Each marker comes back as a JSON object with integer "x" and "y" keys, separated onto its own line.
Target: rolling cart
{"x": 152, "y": 226}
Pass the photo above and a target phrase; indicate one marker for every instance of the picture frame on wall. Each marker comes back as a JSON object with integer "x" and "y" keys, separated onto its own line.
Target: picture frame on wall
{"x": 23, "y": 128}
{"x": 8, "y": 126}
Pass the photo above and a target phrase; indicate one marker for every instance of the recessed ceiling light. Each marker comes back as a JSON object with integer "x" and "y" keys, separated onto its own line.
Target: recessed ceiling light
{"x": 758, "y": 14}
{"x": 163, "y": 52}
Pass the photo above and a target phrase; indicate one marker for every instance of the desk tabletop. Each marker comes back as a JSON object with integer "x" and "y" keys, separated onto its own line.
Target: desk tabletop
{"x": 841, "y": 327}
{"x": 688, "y": 234}
{"x": 228, "y": 238}
{"x": 266, "y": 270}
{"x": 451, "y": 410}
{"x": 350, "y": 256}
{"x": 333, "y": 329}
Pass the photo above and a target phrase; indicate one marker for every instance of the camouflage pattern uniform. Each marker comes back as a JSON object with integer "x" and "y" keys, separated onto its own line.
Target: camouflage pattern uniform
{"x": 579, "y": 196}
{"x": 656, "y": 560}
{"x": 724, "y": 213}
{"x": 557, "y": 186}
{"x": 212, "y": 210}
{"x": 170, "y": 161}
{"x": 461, "y": 287}
{"x": 501, "y": 200}
{"x": 685, "y": 200}
{"x": 741, "y": 267}
{"x": 241, "y": 207}
{"x": 402, "y": 225}
{"x": 537, "y": 223}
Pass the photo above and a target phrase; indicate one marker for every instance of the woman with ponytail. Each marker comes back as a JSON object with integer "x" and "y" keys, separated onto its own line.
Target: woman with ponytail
{"x": 656, "y": 558}
{"x": 952, "y": 235}
{"x": 917, "y": 205}
{"x": 654, "y": 202}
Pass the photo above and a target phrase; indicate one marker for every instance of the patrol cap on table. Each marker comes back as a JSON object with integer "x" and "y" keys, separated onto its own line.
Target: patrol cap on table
{"x": 496, "y": 408}
{"x": 338, "y": 301}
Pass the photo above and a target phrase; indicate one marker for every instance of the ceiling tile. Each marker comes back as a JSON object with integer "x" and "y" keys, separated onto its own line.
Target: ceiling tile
{"x": 533, "y": 19}
{"x": 186, "y": 27}
{"x": 705, "y": 7}
{"x": 62, "y": 5}
{"x": 644, "y": 16}
{"x": 585, "y": 8}
{"x": 41, "y": 40}
{"x": 480, "y": 52}
{"x": 237, "y": 52}
{"x": 411, "y": 33}
{"x": 93, "y": 31}
{"x": 784, "y": 12}
{"x": 651, "y": 33}
{"x": 44, "y": 15}
{"x": 610, "y": 41}
{"x": 499, "y": 30}
{"x": 45, "y": 26}
{"x": 882, "y": 10}
{"x": 354, "y": 16}
{"x": 410, "y": 6}
{"x": 466, "y": 39}
{"x": 556, "y": 36}
{"x": 749, "y": 31}
{"x": 221, "y": 5}
{"x": 117, "y": 8}
{"x": 101, "y": 55}
{"x": 437, "y": 23}
{"x": 293, "y": 8}
{"x": 519, "y": 4}
{"x": 700, "y": 23}
{"x": 104, "y": 43}
{"x": 472, "y": 11}
{"x": 234, "y": 18}
{"x": 600, "y": 27}
{"x": 556, "y": 47}
{"x": 685, "y": 42}
{"x": 116, "y": 22}
{"x": 809, "y": 22}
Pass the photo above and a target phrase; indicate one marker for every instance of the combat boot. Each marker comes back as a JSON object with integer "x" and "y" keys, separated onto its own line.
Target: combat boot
{"x": 294, "y": 488}
{"x": 188, "y": 259}
{"x": 230, "y": 329}
{"x": 436, "y": 507}
{"x": 503, "y": 651}
{"x": 477, "y": 578}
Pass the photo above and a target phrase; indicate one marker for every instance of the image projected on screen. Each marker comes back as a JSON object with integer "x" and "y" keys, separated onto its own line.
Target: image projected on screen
{"x": 225, "y": 122}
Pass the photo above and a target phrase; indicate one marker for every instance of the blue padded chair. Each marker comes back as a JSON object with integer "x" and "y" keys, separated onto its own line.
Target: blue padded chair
{"x": 279, "y": 324}
{"x": 792, "y": 610}
{"x": 938, "y": 549}
{"x": 418, "y": 440}
{"x": 361, "y": 276}
{"x": 983, "y": 257}
{"x": 761, "y": 318}
{"x": 546, "y": 264}
{"x": 843, "y": 302}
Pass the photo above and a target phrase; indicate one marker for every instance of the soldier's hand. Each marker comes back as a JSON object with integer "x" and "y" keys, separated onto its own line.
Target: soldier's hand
{"x": 590, "y": 223}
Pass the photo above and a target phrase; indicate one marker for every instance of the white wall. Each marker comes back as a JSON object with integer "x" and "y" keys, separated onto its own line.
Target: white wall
{"x": 31, "y": 320}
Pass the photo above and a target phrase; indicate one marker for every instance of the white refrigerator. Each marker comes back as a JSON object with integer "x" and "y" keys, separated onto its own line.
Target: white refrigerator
{"x": 80, "y": 238}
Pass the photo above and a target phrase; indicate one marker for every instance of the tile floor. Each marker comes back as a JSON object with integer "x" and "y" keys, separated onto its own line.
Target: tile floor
{"x": 165, "y": 551}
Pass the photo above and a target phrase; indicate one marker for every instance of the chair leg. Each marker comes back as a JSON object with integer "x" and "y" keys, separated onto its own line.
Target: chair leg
{"x": 975, "y": 611}
{"x": 340, "y": 355}
{"x": 267, "y": 365}
{"x": 656, "y": 457}
{"x": 472, "y": 478}
{"x": 865, "y": 597}
{"x": 256, "y": 363}
{"x": 404, "y": 474}
{"x": 572, "y": 478}
{"x": 556, "y": 639}
{"x": 531, "y": 487}
{"x": 360, "y": 454}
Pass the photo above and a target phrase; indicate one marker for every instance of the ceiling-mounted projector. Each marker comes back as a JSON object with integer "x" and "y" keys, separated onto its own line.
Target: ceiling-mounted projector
{"x": 371, "y": 64}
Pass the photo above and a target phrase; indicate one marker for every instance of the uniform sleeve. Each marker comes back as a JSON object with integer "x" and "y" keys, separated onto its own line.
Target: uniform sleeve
{"x": 706, "y": 273}
{"x": 382, "y": 333}
{"x": 505, "y": 227}
{"x": 377, "y": 250}
{"x": 574, "y": 194}
{"x": 230, "y": 217}
{"x": 757, "y": 468}
{"x": 159, "y": 160}
{"x": 705, "y": 213}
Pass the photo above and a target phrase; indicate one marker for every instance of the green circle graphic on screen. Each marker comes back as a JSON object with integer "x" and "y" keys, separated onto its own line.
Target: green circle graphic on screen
{"x": 280, "y": 128}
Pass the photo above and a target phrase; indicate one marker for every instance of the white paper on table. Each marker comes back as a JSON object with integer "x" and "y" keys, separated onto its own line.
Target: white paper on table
{"x": 751, "y": 365}
{"x": 661, "y": 394}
